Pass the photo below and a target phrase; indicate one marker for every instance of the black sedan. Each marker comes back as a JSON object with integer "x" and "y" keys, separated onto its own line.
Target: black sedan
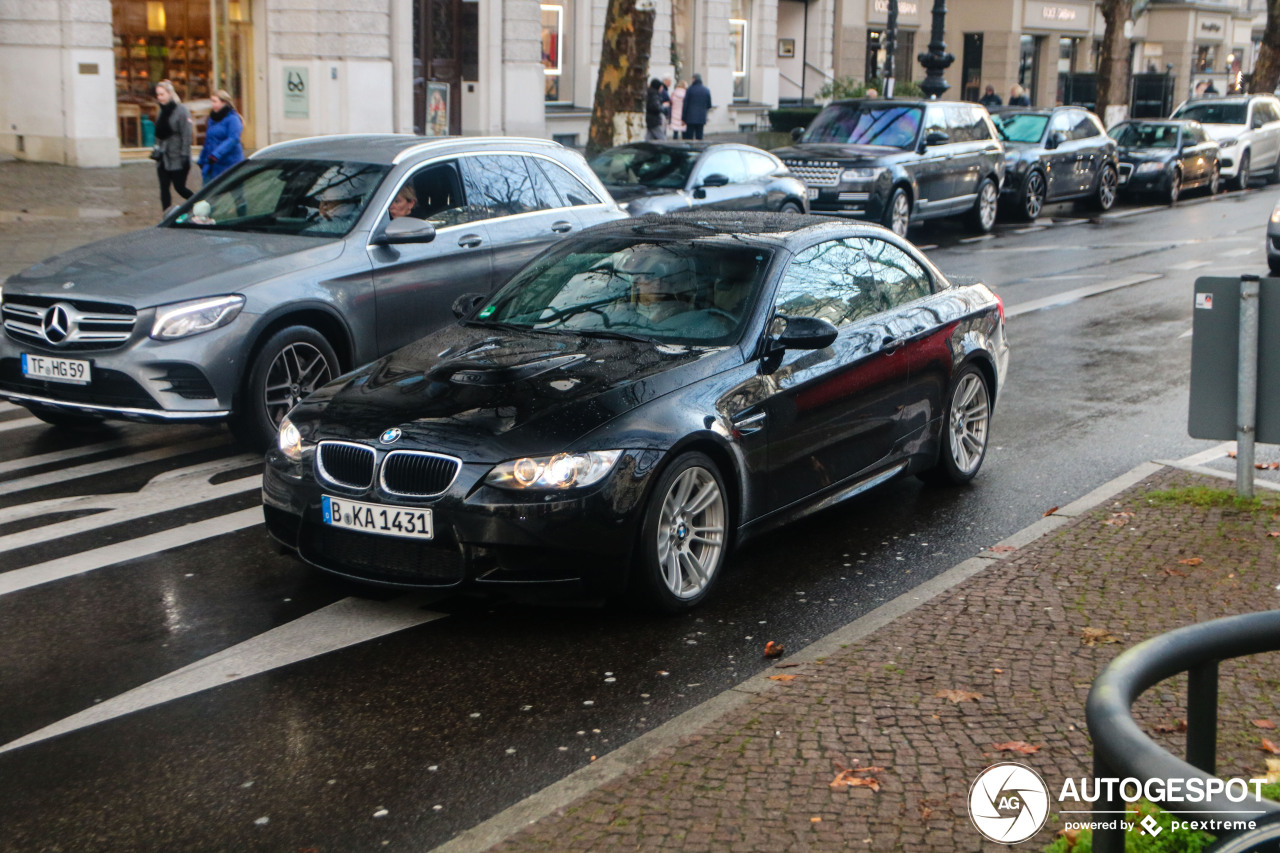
{"x": 665, "y": 177}
{"x": 1055, "y": 155}
{"x": 1165, "y": 157}
{"x": 637, "y": 402}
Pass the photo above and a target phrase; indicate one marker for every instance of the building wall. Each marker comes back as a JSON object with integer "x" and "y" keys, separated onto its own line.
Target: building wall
{"x": 57, "y": 82}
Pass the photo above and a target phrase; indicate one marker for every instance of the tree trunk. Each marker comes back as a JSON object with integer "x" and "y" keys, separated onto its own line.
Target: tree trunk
{"x": 624, "y": 64}
{"x": 1113, "y": 58}
{"x": 1266, "y": 74}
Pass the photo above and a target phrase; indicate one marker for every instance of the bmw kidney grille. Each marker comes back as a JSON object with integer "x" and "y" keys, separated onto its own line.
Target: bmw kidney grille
{"x": 344, "y": 464}
{"x": 415, "y": 473}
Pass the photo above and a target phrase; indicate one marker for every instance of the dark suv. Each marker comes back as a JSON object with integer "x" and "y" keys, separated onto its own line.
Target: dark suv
{"x": 900, "y": 161}
{"x": 1056, "y": 155}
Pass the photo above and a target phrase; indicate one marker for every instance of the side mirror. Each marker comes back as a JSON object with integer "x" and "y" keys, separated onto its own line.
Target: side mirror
{"x": 797, "y": 133}
{"x": 801, "y": 332}
{"x": 407, "y": 229}
{"x": 1055, "y": 139}
{"x": 466, "y": 303}
{"x": 716, "y": 180}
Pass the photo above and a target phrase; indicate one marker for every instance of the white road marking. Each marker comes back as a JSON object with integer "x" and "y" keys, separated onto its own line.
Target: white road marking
{"x": 1131, "y": 211}
{"x": 1030, "y": 229}
{"x": 109, "y": 555}
{"x": 1185, "y": 334}
{"x": 978, "y": 239}
{"x": 1235, "y": 253}
{"x": 20, "y": 423}
{"x": 343, "y": 623}
{"x": 1218, "y": 452}
{"x": 928, "y": 247}
{"x": 168, "y": 491}
{"x": 89, "y": 469}
{"x": 1065, "y": 277}
{"x": 1189, "y": 265}
{"x": 5, "y": 408}
{"x": 1077, "y": 294}
{"x": 71, "y": 453}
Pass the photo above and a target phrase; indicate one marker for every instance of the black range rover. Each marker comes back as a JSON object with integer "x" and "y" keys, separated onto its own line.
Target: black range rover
{"x": 900, "y": 161}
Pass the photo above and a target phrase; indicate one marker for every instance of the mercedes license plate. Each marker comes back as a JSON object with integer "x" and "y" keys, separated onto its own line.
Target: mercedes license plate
{"x": 377, "y": 518}
{"x": 70, "y": 370}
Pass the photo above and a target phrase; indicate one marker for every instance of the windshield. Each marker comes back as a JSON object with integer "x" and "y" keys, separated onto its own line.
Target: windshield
{"x": 696, "y": 291}
{"x": 648, "y": 166}
{"x": 865, "y": 124}
{"x": 1142, "y": 135}
{"x": 1020, "y": 127}
{"x": 1215, "y": 112}
{"x": 321, "y": 198}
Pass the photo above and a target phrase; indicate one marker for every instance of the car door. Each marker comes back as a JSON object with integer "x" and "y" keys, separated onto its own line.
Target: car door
{"x": 1093, "y": 148}
{"x": 416, "y": 284}
{"x": 575, "y": 196}
{"x": 1266, "y": 120}
{"x": 931, "y": 169}
{"x": 765, "y": 194}
{"x": 1193, "y": 153}
{"x": 833, "y": 413}
{"x": 737, "y": 194}
{"x": 965, "y": 151}
{"x": 1060, "y": 162}
{"x": 522, "y": 212}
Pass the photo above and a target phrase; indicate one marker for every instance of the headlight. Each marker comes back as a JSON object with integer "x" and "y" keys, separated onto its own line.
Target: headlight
{"x": 860, "y": 174}
{"x": 1275, "y": 215}
{"x": 290, "y": 440}
{"x": 562, "y": 471}
{"x": 1227, "y": 143}
{"x": 183, "y": 319}
{"x": 1148, "y": 167}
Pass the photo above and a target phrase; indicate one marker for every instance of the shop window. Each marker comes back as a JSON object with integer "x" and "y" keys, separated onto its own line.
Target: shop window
{"x": 739, "y": 45}
{"x": 1206, "y": 58}
{"x": 1029, "y": 63}
{"x": 903, "y": 55}
{"x": 553, "y": 53}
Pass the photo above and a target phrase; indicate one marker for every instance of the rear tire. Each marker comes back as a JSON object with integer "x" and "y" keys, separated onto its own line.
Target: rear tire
{"x": 291, "y": 364}
{"x": 1108, "y": 184}
{"x": 1273, "y": 177}
{"x": 966, "y": 430}
{"x": 684, "y": 537}
{"x": 1241, "y": 180}
{"x": 790, "y": 207}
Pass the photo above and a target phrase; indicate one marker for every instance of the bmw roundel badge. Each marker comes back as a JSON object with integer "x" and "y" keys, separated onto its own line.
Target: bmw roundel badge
{"x": 391, "y": 435}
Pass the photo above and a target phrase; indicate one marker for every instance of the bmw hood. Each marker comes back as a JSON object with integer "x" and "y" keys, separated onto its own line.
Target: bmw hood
{"x": 486, "y": 395}
{"x": 156, "y": 266}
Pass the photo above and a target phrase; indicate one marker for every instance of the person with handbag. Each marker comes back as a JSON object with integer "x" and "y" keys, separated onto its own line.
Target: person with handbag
{"x": 172, "y": 151}
{"x": 222, "y": 148}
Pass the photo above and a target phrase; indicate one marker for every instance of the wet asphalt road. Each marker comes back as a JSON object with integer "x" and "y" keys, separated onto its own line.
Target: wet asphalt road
{"x": 315, "y": 720}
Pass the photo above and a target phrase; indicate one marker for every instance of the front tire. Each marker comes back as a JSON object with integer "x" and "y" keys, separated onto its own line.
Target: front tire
{"x": 790, "y": 207}
{"x": 1175, "y": 188}
{"x": 291, "y": 364}
{"x": 684, "y": 538}
{"x": 1241, "y": 180}
{"x": 1108, "y": 183}
{"x": 966, "y": 430}
{"x": 1031, "y": 196}
{"x": 897, "y": 215}
{"x": 983, "y": 215}
{"x": 1215, "y": 180}
{"x": 1273, "y": 177}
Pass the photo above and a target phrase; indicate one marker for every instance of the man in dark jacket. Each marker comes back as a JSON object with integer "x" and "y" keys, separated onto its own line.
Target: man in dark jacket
{"x": 990, "y": 99}
{"x": 697, "y": 103}
{"x": 653, "y": 110}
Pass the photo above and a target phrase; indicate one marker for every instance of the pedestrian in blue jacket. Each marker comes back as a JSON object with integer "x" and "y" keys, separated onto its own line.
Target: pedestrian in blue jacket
{"x": 697, "y": 103}
{"x": 222, "y": 148}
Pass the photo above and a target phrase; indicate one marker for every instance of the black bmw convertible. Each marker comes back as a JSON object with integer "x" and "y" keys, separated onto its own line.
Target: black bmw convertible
{"x": 638, "y": 401}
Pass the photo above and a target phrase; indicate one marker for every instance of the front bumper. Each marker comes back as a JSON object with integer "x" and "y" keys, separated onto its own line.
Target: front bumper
{"x": 866, "y": 200}
{"x": 1147, "y": 182}
{"x": 523, "y": 543}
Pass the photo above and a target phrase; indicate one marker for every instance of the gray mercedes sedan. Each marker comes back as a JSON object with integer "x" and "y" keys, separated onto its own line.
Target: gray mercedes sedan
{"x": 308, "y": 259}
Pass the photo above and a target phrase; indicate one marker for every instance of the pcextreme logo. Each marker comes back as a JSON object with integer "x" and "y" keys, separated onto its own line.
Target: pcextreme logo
{"x": 1008, "y": 802}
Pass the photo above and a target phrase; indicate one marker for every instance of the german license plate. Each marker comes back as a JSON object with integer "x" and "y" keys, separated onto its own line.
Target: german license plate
{"x": 69, "y": 370}
{"x": 377, "y": 518}
{"x": 813, "y": 193}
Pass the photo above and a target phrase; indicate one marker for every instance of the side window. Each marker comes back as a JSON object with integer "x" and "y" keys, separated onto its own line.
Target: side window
{"x": 759, "y": 165}
{"x": 935, "y": 120}
{"x": 1268, "y": 110}
{"x": 727, "y": 163}
{"x": 899, "y": 278}
{"x": 571, "y": 189}
{"x": 981, "y": 129}
{"x": 831, "y": 280}
{"x": 1082, "y": 126}
{"x": 959, "y": 127}
{"x": 546, "y": 194}
{"x": 1061, "y": 123}
{"x": 435, "y": 193}
{"x": 498, "y": 185}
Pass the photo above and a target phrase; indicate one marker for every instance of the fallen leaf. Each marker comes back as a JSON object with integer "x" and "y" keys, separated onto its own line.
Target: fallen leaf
{"x": 815, "y": 820}
{"x": 1114, "y": 521}
{"x": 1273, "y": 770}
{"x": 925, "y": 811}
{"x": 1002, "y": 549}
{"x": 1170, "y": 728}
{"x": 1264, "y": 724}
{"x": 1269, "y": 746}
{"x": 1072, "y": 835}
{"x": 773, "y": 650}
{"x": 847, "y": 779}
{"x": 1049, "y": 512}
{"x": 783, "y": 677}
{"x": 1016, "y": 746}
{"x": 1273, "y": 534}
{"x": 1191, "y": 561}
{"x": 1094, "y": 636}
{"x": 1174, "y": 573}
{"x": 998, "y": 670}
{"x": 957, "y": 696}
{"x": 1231, "y": 454}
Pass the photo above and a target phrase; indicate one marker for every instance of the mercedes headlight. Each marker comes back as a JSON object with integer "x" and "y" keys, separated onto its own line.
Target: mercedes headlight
{"x": 289, "y": 440}
{"x": 860, "y": 174}
{"x": 1149, "y": 167}
{"x": 1275, "y": 215}
{"x": 1227, "y": 143}
{"x": 184, "y": 319}
{"x": 561, "y": 471}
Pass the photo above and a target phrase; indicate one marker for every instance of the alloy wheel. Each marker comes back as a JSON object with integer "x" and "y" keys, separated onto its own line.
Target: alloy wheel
{"x": 900, "y": 215}
{"x": 987, "y": 198}
{"x": 691, "y": 532}
{"x": 970, "y": 418}
{"x": 296, "y": 371}
{"x": 1107, "y": 188}
{"x": 1175, "y": 187}
{"x": 1033, "y": 201}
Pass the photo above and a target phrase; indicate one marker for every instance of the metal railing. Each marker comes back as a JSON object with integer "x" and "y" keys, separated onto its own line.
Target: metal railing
{"x": 1122, "y": 749}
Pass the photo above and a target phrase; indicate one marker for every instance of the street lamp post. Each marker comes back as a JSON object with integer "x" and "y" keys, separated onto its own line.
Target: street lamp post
{"x": 937, "y": 59}
{"x": 890, "y": 48}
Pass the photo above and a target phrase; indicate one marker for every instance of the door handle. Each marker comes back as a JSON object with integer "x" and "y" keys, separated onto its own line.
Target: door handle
{"x": 562, "y": 227}
{"x": 470, "y": 241}
{"x": 744, "y": 424}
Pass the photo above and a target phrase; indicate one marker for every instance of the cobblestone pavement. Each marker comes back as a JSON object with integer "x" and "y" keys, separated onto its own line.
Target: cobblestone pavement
{"x": 1012, "y": 639}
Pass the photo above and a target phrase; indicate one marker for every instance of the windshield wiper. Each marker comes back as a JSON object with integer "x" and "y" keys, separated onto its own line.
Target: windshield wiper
{"x": 608, "y": 333}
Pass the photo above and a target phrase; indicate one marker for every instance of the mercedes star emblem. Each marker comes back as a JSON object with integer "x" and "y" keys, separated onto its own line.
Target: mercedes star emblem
{"x": 57, "y": 324}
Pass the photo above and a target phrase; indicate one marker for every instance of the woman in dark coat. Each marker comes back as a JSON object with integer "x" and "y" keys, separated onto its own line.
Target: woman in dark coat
{"x": 653, "y": 111}
{"x": 222, "y": 148}
{"x": 172, "y": 152}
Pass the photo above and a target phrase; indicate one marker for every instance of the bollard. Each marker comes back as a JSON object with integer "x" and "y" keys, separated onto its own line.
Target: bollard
{"x": 1247, "y": 389}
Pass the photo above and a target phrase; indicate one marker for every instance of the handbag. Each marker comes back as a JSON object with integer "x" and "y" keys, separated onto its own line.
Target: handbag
{"x": 156, "y": 153}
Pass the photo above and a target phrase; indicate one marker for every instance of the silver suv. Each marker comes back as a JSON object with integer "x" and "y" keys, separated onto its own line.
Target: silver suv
{"x": 1247, "y": 128}
{"x": 309, "y": 259}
